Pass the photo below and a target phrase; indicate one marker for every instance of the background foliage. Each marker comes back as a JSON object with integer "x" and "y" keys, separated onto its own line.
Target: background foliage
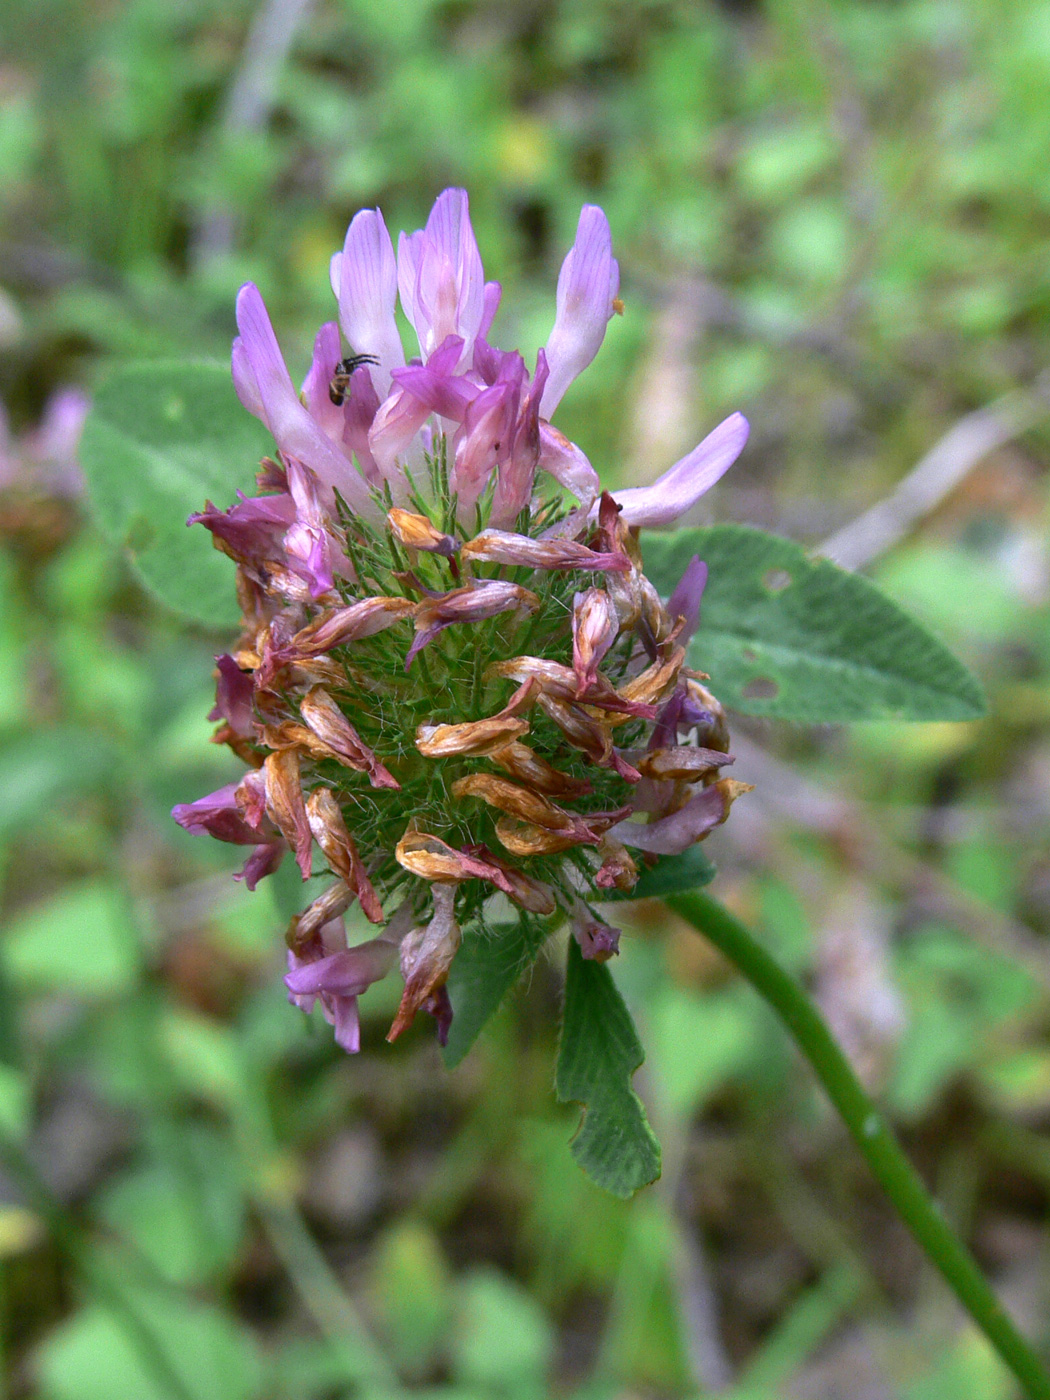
{"x": 832, "y": 217}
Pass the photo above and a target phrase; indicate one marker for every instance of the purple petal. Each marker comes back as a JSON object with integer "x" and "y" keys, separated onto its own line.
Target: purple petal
{"x": 672, "y": 835}
{"x": 218, "y": 815}
{"x": 347, "y": 1023}
{"x": 685, "y": 600}
{"x": 483, "y": 444}
{"x": 233, "y": 697}
{"x": 587, "y": 285}
{"x": 367, "y": 291}
{"x": 263, "y": 861}
{"x": 346, "y": 973}
{"x": 680, "y": 488}
{"x": 254, "y": 528}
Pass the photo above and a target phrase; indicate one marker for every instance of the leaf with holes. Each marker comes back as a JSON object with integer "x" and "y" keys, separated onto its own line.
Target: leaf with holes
{"x": 489, "y": 962}
{"x": 798, "y": 638}
{"x": 599, "y": 1054}
{"x": 160, "y": 440}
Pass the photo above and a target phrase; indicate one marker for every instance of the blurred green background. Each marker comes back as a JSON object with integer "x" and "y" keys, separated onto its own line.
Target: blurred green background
{"x": 832, "y": 216}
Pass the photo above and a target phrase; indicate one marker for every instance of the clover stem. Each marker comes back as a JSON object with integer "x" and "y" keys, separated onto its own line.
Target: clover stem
{"x": 869, "y": 1130}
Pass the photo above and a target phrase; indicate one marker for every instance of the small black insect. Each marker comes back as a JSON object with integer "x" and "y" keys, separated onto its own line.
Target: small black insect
{"x": 343, "y": 370}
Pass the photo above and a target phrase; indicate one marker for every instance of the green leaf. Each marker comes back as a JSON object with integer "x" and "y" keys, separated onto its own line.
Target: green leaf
{"x": 504, "y": 1341}
{"x": 669, "y": 875}
{"x": 489, "y": 962}
{"x": 799, "y": 638}
{"x": 162, "y": 438}
{"x": 81, "y": 941}
{"x": 94, "y": 1356}
{"x": 599, "y": 1053}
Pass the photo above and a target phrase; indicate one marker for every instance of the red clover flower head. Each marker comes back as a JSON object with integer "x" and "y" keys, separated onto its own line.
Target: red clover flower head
{"x": 453, "y": 678}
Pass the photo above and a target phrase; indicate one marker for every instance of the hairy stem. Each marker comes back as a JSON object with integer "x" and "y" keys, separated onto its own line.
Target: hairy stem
{"x": 870, "y": 1132}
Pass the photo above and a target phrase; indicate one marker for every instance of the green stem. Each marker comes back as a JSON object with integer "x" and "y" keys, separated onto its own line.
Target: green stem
{"x": 870, "y": 1132}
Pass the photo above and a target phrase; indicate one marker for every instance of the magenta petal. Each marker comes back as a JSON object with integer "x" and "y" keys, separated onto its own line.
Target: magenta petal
{"x": 680, "y": 488}
{"x": 587, "y": 285}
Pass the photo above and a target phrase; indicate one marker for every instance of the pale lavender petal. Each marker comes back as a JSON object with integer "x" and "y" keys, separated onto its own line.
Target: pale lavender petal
{"x": 568, "y": 465}
{"x": 440, "y": 278}
{"x": 672, "y": 835}
{"x": 244, "y": 381}
{"x": 393, "y": 439}
{"x": 490, "y": 305}
{"x": 587, "y": 286}
{"x": 360, "y": 409}
{"x": 367, "y": 292}
{"x": 58, "y": 436}
{"x": 295, "y": 432}
{"x": 346, "y": 1022}
{"x": 680, "y": 488}
{"x": 409, "y": 257}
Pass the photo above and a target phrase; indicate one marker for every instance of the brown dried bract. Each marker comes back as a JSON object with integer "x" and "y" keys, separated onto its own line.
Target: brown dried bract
{"x": 476, "y": 737}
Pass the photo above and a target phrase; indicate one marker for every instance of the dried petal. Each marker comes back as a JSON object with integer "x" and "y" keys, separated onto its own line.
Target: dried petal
{"x": 472, "y": 603}
{"x": 524, "y": 839}
{"x": 559, "y": 682}
{"x": 344, "y": 625}
{"x": 598, "y": 942}
{"x": 524, "y": 804}
{"x": 529, "y": 768}
{"x": 426, "y": 956}
{"x": 332, "y": 727}
{"x": 284, "y": 802}
{"x": 594, "y": 629}
{"x": 591, "y": 736}
{"x": 618, "y": 870}
{"x": 686, "y": 763}
{"x": 477, "y": 737}
{"x": 330, "y": 833}
{"x": 501, "y": 547}
{"x": 433, "y": 859}
{"x": 335, "y": 900}
{"x": 418, "y": 532}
